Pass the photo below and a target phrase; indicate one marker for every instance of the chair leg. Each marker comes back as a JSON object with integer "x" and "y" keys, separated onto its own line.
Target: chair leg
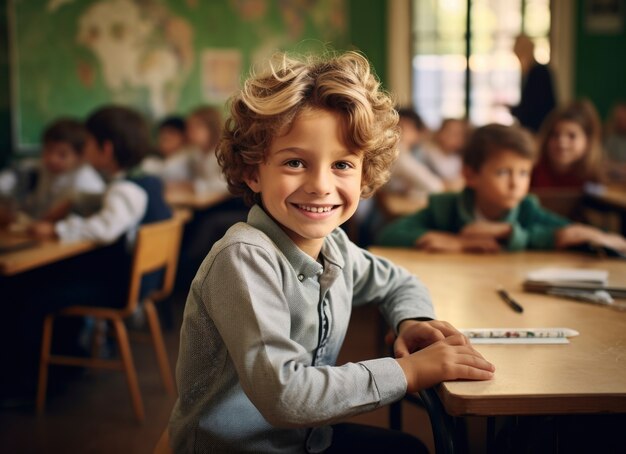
{"x": 98, "y": 338}
{"x": 159, "y": 346}
{"x": 129, "y": 368}
{"x": 44, "y": 359}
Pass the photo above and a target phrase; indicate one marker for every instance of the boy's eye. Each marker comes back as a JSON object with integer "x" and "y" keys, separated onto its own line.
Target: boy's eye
{"x": 343, "y": 165}
{"x": 294, "y": 163}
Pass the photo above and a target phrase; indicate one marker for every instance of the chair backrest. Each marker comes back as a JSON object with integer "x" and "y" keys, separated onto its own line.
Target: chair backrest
{"x": 157, "y": 247}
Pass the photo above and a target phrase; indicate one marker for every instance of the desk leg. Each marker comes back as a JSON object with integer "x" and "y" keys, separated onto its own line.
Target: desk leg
{"x": 447, "y": 431}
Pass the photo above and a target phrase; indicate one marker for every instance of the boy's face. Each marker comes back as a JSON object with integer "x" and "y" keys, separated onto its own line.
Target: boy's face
{"x": 410, "y": 136}
{"x": 170, "y": 140}
{"x": 197, "y": 132}
{"x": 452, "y": 136}
{"x": 501, "y": 183}
{"x": 567, "y": 144}
{"x": 100, "y": 157}
{"x": 59, "y": 157}
{"x": 310, "y": 182}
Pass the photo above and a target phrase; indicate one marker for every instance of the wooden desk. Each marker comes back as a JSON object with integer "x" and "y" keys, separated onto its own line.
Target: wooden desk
{"x": 189, "y": 199}
{"x": 43, "y": 253}
{"x": 586, "y": 376}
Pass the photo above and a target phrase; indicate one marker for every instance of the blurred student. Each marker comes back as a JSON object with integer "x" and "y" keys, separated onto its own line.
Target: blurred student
{"x": 63, "y": 179}
{"x": 570, "y": 150}
{"x": 615, "y": 143}
{"x": 409, "y": 174}
{"x": 494, "y": 212}
{"x": 172, "y": 163}
{"x": 442, "y": 154}
{"x": 204, "y": 126}
{"x": 118, "y": 139}
{"x": 537, "y": 97}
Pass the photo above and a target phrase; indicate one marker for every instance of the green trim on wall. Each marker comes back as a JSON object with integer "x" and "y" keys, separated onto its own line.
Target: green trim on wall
{"x": 368, "y": 32}
{"x": 600, "y": 69}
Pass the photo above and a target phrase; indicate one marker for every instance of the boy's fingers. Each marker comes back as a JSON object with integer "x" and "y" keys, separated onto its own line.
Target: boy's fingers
{"x": 400, "y": 349}
{"x": 472, "y": 373}
{"x": 446, "y": 328}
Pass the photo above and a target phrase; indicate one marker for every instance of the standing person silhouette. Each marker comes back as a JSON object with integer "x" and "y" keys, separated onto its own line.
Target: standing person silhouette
{"x": 538, "y": 98}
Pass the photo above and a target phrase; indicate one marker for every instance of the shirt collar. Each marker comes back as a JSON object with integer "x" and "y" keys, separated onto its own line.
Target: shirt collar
{"x": 302, "y": 263}
{"x": 467, "y": 209}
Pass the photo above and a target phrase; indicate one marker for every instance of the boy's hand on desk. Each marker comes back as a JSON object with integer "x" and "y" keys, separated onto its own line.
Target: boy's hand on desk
{"x": 414, "y": 335}
{"x": 447, "y": 242}
{"x": 577, "y": 234}
{"x": 42, "y": 229}
{"x": 452, "y": 358}
{"x": 487, "y": 229}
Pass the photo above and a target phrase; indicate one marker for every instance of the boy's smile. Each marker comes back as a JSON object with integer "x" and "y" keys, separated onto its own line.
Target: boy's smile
{"x": 500, "y": 184}
{"x": 310, "y": 182}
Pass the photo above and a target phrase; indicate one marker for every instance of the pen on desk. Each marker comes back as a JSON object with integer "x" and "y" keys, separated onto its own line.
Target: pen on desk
{"x": 508, "y": 300}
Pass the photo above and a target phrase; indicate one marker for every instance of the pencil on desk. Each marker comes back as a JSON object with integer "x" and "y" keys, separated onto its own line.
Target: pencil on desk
{"x": 508, "y": 300}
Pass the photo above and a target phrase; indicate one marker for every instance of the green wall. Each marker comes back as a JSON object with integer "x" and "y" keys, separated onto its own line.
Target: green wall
{"x": 368, "y": 32}
{"x": 600, "y": 68}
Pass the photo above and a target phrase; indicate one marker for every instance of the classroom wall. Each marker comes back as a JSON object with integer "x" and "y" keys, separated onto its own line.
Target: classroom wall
{"x": 366, "y": 32}
{"x": 600, "y": 63}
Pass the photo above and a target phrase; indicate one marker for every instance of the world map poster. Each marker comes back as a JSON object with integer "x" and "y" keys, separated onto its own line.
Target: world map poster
{"x": 160, "y": 56}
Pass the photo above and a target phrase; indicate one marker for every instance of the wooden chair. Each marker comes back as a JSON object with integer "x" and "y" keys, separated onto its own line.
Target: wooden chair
{"x": 157, "y": 247}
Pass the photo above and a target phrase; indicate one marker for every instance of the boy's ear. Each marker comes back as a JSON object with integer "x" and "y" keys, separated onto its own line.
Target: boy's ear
{"x": 252, "y": 180}
{"x": 471, "y": 176}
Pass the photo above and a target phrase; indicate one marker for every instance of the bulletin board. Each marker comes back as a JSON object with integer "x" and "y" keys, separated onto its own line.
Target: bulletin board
{"x": 160, "y": 56}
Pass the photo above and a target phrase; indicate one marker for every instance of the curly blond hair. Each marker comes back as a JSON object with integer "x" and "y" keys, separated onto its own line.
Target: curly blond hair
{"x": 271, "y": 100}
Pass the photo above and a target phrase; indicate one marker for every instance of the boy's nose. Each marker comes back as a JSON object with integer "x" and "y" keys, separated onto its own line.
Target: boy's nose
{"x": 319, "y": 182}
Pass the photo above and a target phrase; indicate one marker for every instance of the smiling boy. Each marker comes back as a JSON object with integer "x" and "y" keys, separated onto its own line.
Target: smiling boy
{"x": 269, "y": 307}
{"x": 495, "y": 211}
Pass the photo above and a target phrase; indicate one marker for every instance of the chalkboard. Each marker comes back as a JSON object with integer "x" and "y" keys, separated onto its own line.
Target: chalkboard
{"x": 159, "y": 56}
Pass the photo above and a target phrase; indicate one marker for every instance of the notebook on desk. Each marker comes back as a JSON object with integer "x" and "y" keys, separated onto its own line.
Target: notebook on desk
{"x": 545, "y": 280}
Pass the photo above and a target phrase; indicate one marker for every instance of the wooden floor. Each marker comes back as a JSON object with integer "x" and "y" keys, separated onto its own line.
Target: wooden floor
{"x": 92, "y": 412}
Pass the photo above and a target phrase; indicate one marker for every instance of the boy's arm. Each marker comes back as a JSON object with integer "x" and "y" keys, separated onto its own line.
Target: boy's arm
{"x": 428, "y": 351}
{"x": 123, "y": 208}
{"x": 243, "y": 295}
{"x": 407, "y": 230}
{"x": 376, "y": 280}
{"x": 535, "y": 228}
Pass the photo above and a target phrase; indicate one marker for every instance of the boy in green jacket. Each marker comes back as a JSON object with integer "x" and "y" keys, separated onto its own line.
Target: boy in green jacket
{"x": 495, "y": 211}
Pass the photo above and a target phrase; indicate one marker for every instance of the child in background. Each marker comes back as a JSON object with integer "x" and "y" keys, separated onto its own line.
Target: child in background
{"x": 173, "y": 162}
{"x": 204, "y": 126}
{"x": 494, "y": 212}
{"x": 443, "y": 153}
{"x": 410, "y": 174}
{"x": 269, "y": 307}
{"x": 570, "y": 152}
{"x": 64, "y": 180}
{"x": 117, "y": 140}
{"x": 615, "y": 143}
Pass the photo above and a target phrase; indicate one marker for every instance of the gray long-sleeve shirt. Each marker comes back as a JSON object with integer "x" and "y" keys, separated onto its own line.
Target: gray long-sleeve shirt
{"x": 262, "y": 329}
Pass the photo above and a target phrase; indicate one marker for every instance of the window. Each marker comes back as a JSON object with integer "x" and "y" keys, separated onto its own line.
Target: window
{"x": 441, "y": 48}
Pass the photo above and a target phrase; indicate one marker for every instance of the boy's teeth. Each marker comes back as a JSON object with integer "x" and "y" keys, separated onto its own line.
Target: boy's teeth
{"x": 315, "y": 209}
